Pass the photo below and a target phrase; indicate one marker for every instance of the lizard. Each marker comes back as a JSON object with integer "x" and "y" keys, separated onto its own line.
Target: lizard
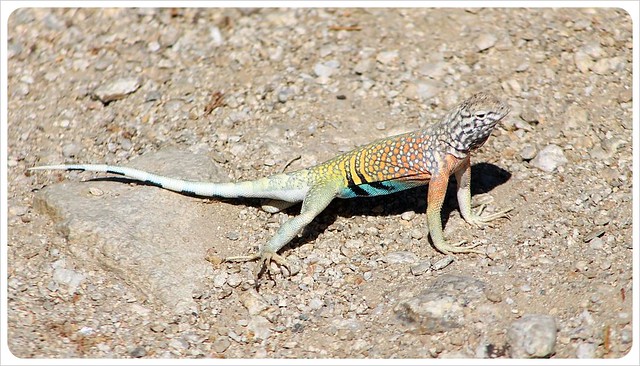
{"x": 393, "y": 164}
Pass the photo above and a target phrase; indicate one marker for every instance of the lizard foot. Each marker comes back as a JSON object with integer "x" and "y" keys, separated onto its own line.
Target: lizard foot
{"x": 478, "y": 220}
{"x": 264, "y": 259}
{"x": 459, "y": 249}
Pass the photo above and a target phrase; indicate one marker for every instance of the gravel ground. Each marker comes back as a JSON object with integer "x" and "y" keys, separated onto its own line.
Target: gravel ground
{"x": 251, "y": 92}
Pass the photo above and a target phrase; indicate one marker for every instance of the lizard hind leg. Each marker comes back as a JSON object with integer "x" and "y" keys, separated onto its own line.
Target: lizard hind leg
{"x": 313, "y": 204}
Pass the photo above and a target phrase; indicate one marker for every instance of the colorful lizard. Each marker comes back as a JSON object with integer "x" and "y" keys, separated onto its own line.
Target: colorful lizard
{"x": 393, "y": 164}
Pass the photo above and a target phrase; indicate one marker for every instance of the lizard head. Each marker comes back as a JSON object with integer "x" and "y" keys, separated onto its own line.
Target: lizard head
{"x": 469, "y": 125}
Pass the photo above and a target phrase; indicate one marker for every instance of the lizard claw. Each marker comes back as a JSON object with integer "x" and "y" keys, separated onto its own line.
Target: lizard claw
{"x": 264, "y": 259}
{"x": 458, "y": 248}
{"x": 478, "y": 220}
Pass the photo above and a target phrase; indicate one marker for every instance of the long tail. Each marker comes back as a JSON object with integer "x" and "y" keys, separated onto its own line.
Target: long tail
{"x": 282, "y": 187}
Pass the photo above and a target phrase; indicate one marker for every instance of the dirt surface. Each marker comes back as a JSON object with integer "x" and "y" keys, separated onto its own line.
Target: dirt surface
{"x": 256, "y": 91}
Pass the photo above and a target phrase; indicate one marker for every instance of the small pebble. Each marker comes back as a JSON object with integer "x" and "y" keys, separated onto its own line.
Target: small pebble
{"x": 420, "y": 268}
{"x": 387, "y": 57}
{"x": 532, "y": 336}
{"x": 285, "y": 94}
{"x": 593, "y": 234}
{"x": 158, "y": 327}
{"x": 417, "y": 234}
{"x": 138, "y": 352}
{"x": 116, "y": 89}
{"x": 485, "y": 41}
{"x": 234, "y": 280}
{"x": 21, "y": 89}
{"x": 581, "y": 266}
{"x": 18, "y": 210}
{"x": 586, "y": 350}
{"x": 583, "y": 61}
{"x": 324, "y": 69}
{"x": 179, "y": 343}
{"x": 220, "y": 279}
{"x": 153, "y": 96}
{"x": 593, "y": 49}
{"x": 625, "y": 96}
{"x": 442, "y": 263}
{"x": 153, "y": 46}
{"x": 221, "y": 344}
{"x": 602, "y": 66}
{"x": 596, "y": 243}
{"x": 408, "y": 215}
{"x": 363, "y": 66}
{"x": 95, "y": 191}
{"x": 216, "y": 36}
{"x": 549, "y": 158}
{"x": 434, "y": 70}
{"x": 400, "y": 257}
{"x": 70, "y": 150}
{"x": 528, "y": 152}
{"x": 315, "y": 303}
{"x": 530, "y": 115}
{"x": 423, "y": 90}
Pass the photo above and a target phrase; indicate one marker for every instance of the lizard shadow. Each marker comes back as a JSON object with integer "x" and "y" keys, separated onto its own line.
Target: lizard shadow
{"x": 484, "y": 178}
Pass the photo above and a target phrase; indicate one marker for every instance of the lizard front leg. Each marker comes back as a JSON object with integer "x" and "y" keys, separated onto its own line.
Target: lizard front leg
{"x": 435, "y": 198}
{"x": 463, "y": 176}
{"x": 313, "y": 204}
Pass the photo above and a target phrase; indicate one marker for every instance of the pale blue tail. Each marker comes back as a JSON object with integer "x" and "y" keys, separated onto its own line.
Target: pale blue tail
{"x": 280, "y": 187}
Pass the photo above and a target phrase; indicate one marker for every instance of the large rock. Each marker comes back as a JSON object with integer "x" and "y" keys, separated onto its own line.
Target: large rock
{"x": 153, "y": 239}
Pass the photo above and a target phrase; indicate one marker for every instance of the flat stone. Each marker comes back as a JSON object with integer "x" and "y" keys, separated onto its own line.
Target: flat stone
{"x": 532, "y": 336}
{"x": 442, "y": 305}
{"x": 116, "y": 89}
{"x": 153, "y": 239}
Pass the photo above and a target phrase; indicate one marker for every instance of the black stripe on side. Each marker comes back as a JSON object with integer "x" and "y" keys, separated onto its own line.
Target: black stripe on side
{"x": 381, "y": 186}
{"x": 76, "y": 169}
{"x": 114, "y": 172}
{"x": 347, "y": 172}
{"x": 362, "y": 177}
{"x": 358, "y": 191}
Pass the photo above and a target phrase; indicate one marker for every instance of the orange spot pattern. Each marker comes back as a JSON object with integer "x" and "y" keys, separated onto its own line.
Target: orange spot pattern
{"x": 410, "y": 156}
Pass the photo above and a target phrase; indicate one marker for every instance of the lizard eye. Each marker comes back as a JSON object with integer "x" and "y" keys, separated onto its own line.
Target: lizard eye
{"x": 480, "y": 115}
